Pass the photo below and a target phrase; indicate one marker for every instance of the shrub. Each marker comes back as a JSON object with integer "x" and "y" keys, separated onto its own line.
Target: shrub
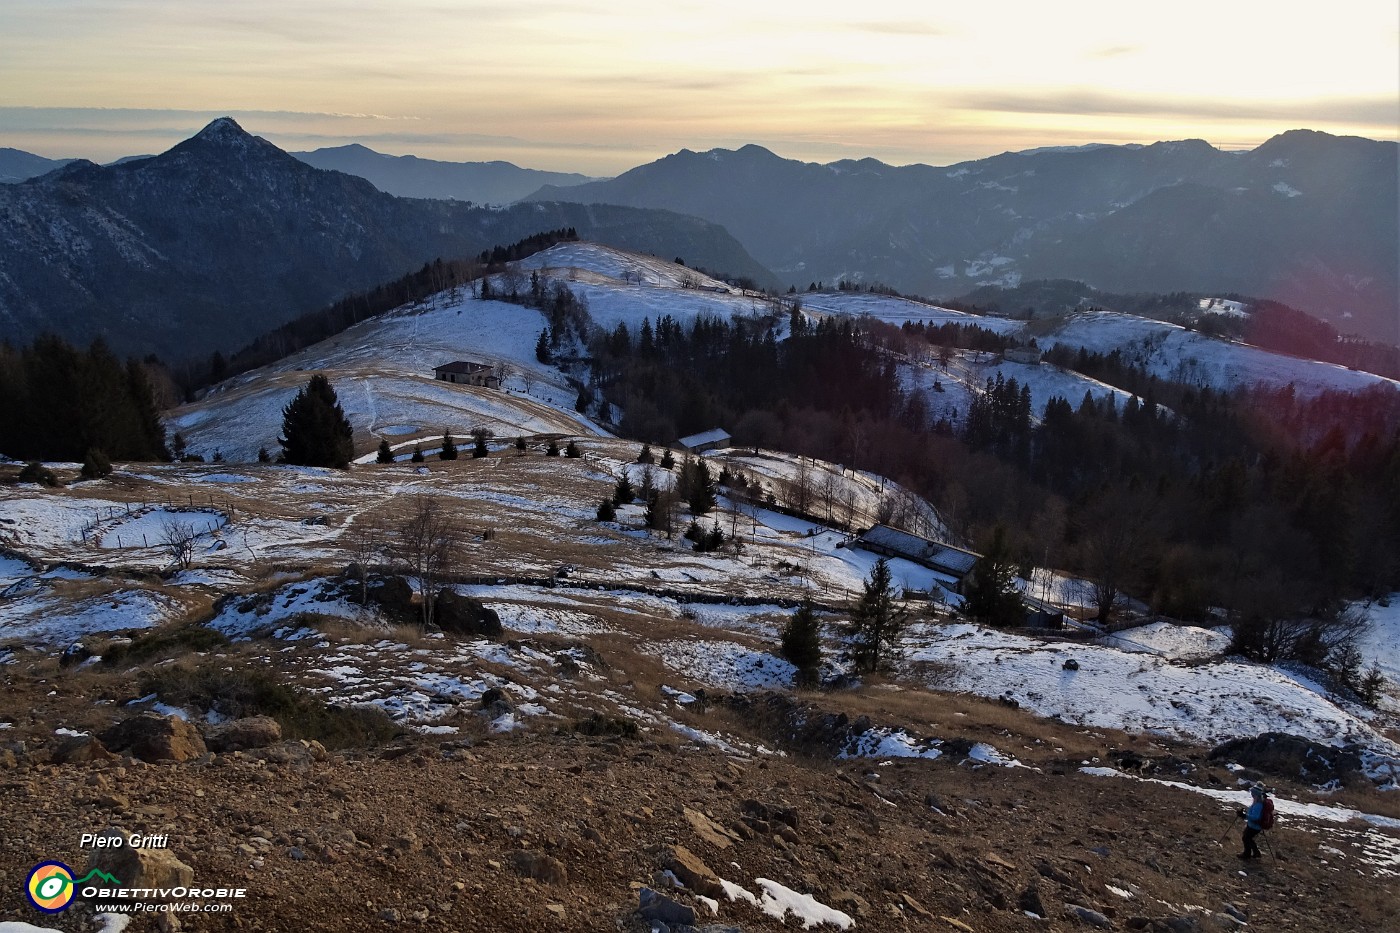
{"x": 600, "y": 725}
{"x": 36, "y": 472}
{"x": 96, "y": 465}
{"x": 241, "y": 692}
{"x": 163, "y": 643}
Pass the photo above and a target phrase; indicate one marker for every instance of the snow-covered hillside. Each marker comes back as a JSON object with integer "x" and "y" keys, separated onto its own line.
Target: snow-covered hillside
{"x": 1166, "y": 350}
{"x": 383, "y": 368}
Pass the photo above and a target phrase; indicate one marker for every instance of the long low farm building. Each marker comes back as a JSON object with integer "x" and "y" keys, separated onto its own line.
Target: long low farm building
{"x": 948, "y": 561}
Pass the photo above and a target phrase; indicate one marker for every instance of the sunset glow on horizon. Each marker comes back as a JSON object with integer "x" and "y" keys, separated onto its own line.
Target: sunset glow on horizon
{"x": 598, "y": 88}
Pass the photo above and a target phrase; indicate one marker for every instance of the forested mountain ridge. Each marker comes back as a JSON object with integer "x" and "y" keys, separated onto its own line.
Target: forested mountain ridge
{"x": 225, "y": 237}
{"x": 409, "y": 176}
{"x": 1306, "y": 218}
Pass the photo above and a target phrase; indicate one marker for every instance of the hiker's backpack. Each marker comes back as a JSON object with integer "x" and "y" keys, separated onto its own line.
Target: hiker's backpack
{"x": 1266, "y": 816}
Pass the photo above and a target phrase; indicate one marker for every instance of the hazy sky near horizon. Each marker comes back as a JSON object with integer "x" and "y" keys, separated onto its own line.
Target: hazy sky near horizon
{"x": 600, "y": 87}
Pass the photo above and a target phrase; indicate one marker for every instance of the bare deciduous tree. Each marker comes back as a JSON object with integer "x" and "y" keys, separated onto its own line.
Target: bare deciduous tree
{"x": 830, "y": 493}
{"x": 177, "y": 537}
{"x": 512, "y": 280}
{"x": 426, "y": 543}
{"x": 799, "y": 490}
{"x": 365, "y": 544}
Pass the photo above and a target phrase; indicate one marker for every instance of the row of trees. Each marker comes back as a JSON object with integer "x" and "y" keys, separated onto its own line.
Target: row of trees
{"x": 61, "y": 403}
{"x": 1263, "y": 502}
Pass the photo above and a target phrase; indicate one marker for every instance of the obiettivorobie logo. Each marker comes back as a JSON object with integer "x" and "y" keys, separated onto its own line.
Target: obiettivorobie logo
{"x": 51, "y": 885}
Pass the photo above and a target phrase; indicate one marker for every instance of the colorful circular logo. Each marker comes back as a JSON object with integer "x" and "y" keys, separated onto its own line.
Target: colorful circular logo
{"x": 50, "y": 887}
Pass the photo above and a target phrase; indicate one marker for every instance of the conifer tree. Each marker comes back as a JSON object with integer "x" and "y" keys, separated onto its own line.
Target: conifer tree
{"x": 520, "y": 445}
{"x": 606, "y": 511}
{"x": 315, "y": 431}
{"x": 386, "y": 453}
{"x": 95, "y": 464}
{"x": 449, "y": 447}
{"x": 623, "y": 492}
{"x": 646, "y": 456}
{"x": 801, "y": 644}
{"x": 701, "y": 497}
{"x": 264, "y": 456}
{"x": 572, "y": 451}
{"x": 481, "y": 436}
{"x": 417, "y": 454}
{"x": 992, "y": 595}
{"x": 876, "y": 621}
{"x": 714, "y": 538}
{"x": 542, "y": 348}
{"x": 668, "y": 459}
{"x": 553, "y": 449}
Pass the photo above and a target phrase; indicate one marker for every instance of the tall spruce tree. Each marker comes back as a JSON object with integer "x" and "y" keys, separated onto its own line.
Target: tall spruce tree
{"x": 315, "y": 431}
{"x": 385, "y": 454}
{"x": 801, "y": 644}
{"x": 992, "y": 596}
{"x": 876, "y": 620}
{"x": 702, "y": 498}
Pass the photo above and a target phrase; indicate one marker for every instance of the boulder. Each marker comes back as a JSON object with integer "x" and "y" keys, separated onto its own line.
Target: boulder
{"x": 692, "y": 871}
{"x": 541, "y": 867}
{"x": 141, "y": 868}
{"x": 456, "y": 614}
{"x": 495, "y": 703}
{"x": 1089, "y": 916}
{"x": 153, "y": 737}
{"x": 1030, "y": 901}
{"x": 242, "y": 734}
{"x": 75, "y": 653}
{"x": 1284, "y": 755}
{"x": 394, "y": 595}
{"x": 657, "y": 907}
{"x": 80, "y": 749}
{"x": 297, "y": 755}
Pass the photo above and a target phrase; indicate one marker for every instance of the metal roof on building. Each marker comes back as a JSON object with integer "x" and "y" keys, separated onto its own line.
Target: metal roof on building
{"x": 461, "y": 366}
{"x": 934, "y": 554}
{"x": 713, "y": 436}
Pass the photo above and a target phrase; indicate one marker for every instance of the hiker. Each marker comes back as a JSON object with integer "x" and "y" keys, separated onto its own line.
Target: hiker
{"x": 1254, "y": 822}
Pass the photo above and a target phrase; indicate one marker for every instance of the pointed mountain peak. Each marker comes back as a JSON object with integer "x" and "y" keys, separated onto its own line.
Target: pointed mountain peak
{"x": 224, "y": 130}
{"x": 223, "y": 139}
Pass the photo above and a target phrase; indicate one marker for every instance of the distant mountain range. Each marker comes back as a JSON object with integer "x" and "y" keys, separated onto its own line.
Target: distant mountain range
{"x": 16, "y": 165}
{"x": 1306, "y": 218}
{"x": 411, "y": 177}
{"x": 225, "y": 236}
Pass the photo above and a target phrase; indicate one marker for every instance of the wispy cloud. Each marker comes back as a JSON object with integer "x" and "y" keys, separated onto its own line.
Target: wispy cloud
{"x": 1376, "y": 111}
{"x": 1114, "y": 51}
{"x": 902, "y": 27}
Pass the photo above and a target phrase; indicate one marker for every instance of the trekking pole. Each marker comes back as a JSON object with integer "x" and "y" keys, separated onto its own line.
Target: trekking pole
{"x": 1228, "y": 826}
{"x": 1270, "y": 846}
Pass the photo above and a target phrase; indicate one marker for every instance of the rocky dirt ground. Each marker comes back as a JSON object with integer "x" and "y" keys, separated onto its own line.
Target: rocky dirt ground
{"x": 553, "y": 830}
{"x": 494, "y": 799}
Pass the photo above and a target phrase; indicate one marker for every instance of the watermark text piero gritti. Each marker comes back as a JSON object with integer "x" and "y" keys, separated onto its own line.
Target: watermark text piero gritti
{"x": 111, "y": 840}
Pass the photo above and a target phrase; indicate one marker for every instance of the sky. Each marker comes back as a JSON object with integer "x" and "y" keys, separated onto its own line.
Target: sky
{"x": 598, "y": 87}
